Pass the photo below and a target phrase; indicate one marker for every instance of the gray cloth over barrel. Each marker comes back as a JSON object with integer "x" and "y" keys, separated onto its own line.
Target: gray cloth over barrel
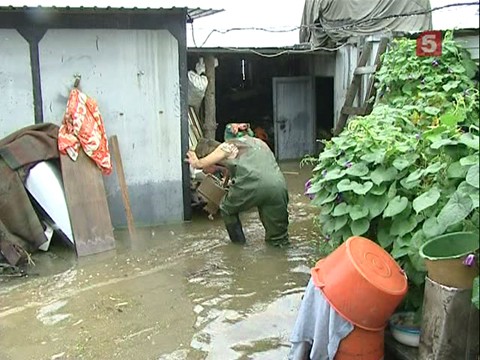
{"x": 318, "y": 329}
{"x": 329, "y": 22}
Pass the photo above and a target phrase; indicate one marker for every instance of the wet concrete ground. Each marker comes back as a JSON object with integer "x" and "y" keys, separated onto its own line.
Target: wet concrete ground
{"x": 180, "y": 292}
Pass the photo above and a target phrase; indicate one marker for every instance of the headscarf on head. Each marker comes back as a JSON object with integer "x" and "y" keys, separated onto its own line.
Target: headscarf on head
{"x": 237, "y": 130}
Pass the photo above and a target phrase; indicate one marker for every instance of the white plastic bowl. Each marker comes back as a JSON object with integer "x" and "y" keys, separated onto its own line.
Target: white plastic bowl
{"x": 404, "y": 333}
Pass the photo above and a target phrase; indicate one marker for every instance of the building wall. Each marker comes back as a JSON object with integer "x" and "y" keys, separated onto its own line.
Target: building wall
{"x": 16, "y": 94}
{"x": 323, "y": 64}
{"x": 134, "y": 64}
{"x": 136, "y": 85}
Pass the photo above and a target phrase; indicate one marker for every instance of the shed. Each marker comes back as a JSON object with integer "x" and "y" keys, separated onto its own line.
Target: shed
{"x": 132, "y": 60}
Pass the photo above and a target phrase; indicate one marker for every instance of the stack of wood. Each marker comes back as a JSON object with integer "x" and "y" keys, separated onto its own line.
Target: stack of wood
{"x": 195, "y": 131}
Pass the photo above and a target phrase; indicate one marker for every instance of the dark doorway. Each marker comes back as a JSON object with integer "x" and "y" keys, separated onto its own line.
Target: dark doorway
{"x": 324, "y": 108}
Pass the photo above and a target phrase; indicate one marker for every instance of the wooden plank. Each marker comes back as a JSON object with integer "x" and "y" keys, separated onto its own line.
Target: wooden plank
{"x": 196, "y": 121}
{"x": 350, "y": 110}
{"x": 87, "y": 205}
{"x": 362, "y": 70}
{"x": 210, "y": 117}
{"x": 115, "y": 149}
{"x": 371, "y": 89}
{"x": 353, "y": 89}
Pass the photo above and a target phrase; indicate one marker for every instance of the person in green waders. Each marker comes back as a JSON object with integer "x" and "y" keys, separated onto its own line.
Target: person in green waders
{"x": 256, "y": 181}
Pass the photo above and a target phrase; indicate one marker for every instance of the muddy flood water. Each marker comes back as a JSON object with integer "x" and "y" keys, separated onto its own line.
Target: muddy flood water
{"x": 180, "y": 292}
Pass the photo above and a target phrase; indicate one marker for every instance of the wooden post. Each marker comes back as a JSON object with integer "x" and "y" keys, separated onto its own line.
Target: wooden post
{"x": 210, "y": 109}
{"x": 115, "y": 148}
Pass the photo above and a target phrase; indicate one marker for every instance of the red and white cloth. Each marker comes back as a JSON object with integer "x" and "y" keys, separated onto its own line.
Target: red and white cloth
{"x": 83, "y": 126}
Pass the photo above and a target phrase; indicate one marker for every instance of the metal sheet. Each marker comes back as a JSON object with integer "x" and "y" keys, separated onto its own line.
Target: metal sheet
{"x": 110, "y": 6}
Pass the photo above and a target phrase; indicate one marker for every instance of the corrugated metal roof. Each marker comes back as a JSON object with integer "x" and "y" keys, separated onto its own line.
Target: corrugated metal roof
{"x": 89, "y": 5}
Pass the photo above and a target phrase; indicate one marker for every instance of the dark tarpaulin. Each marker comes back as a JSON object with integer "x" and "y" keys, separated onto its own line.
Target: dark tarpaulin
{"x": 20, "y": 227}
{"x": 329, "y": 22}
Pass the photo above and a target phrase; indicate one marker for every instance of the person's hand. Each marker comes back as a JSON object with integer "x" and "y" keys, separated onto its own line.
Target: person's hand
{"x": 192, "y": 159}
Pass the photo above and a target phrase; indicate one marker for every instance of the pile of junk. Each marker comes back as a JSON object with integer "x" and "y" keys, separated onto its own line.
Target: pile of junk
{"x": 45, "y": 172}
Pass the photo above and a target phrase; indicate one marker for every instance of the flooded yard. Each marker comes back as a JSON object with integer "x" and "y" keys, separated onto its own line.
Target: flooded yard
{"x": 180, "y": 292}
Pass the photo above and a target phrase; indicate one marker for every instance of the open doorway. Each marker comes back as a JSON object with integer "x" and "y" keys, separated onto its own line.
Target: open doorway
{"x": 244, "y": 92}
{"x": 324, "y": 105}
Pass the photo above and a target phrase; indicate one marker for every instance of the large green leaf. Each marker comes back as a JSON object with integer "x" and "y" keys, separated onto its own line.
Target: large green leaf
{"x": 362, "y": 189}
{"x": 358, "y": 212}
{"x": 383, "y": 236}
{"x": 375, "y": 204}
{"x": 426, "y": 200}
{"x": 469, "y": 140}
{"x": 379, "y": 189}
{"x": 334, "y": 174}
{"x": 359, "y": 169}
{"x": 340, "y": 222}
{"x": 473, "y": 176}
{"x": 450, "y": 118}
{"x": 457, "y": 208}
{"x": 469, "y": 190}
{"x": 418, "y": 239}
{"x": 380, "y": 175}
{"x": 434, "y": 168}
{"x": 328, "y": 208}
{"x": 469, "y": 160}
{"x": 430, "y": 110}
{"x": 341, "y": 209}
{"x": 332, "y": 196}
{"x": 417, "y": 174}
{"x": 456, "y": 170}
{"x": 375, "y": 157}
{"x": 451, "y": 85}
{"x": 432, "y": 228}
{"x": 360, "y": 227}
{"x": 328, "y": 154}
{"x": 399, "y": 250}
{"x": 401, "y": 227}
{"x": 392, "y": 190}
{"x": 345, "y": 185}
{"x": 442, "y": 142}
{"x": 409, "y": 184}
{"x": 395, "y": 206}
{"x": 328, "y": 227}
{"x": 402, "y": 163}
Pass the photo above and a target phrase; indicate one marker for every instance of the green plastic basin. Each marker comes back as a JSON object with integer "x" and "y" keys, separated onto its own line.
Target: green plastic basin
{"x": 444, "y": 256}
{"x": 450, "y": 246}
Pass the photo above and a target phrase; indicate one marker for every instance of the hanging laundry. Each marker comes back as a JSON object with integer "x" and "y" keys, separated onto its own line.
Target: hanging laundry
{"x": 83, "y": 126}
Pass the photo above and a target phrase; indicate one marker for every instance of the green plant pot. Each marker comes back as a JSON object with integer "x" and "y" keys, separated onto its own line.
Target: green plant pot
{"x": 444, "y": 256}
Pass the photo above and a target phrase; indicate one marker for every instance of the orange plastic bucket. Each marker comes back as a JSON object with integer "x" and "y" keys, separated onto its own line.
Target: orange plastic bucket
{"x": 362, "y": 282}
{"x": 361, "y": 344}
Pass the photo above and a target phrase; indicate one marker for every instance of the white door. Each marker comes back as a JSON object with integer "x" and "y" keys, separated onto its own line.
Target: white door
{"x": 294, "y": 116}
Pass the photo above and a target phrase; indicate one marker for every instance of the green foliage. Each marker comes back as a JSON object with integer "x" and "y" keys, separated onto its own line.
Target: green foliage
{"x": 410, "y": 169}
{"x": 475, "y": 297}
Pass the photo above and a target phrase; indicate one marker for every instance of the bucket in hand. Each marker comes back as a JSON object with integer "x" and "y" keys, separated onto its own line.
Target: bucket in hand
{"x": 361, "y": 344}
{"x": 362, "y": 282}
{"x": 445, "y": 256}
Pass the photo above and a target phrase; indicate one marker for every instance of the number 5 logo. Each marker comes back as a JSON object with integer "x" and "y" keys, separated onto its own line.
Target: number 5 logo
{"x": 429, "y": 43}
